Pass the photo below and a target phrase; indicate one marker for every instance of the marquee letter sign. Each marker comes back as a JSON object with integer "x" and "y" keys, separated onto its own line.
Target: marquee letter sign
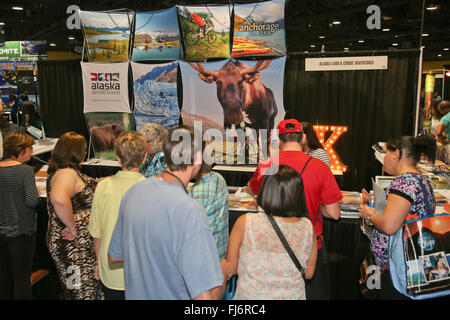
{"x": 336, "y": 162}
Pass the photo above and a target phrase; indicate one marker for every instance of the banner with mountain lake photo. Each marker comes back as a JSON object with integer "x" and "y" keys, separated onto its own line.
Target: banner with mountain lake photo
{"x": 155, "y": 94}
{"x": 206, "y": 31}
{"x": 105, "y": 87}
{"x": 107, "y": 35}
{"x": 157, "y": 36}
{"x": 259, "y": 29}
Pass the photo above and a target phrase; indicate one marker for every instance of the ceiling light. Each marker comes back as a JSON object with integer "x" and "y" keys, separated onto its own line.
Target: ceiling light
{"x": 336, "y": 22}
{"x": 321, "y": 37}
{"x": 432, "y": 7}
{"x": 387, "y": 29}
{"x": 71, "y": 38}
{"x": 17, "y": 8}
{"x": 425, "y": 34}
{"x": 306, "y": 52}
{"x": 396, "y": 36}
{"x": 386, "y": 18}
{"x": 2, "y": 23}
{"x": 361, "y": 41}
{"x": 313, "y": 46}
{"x": 345, "y": 48}
{"x": 439, "y": 55}
{"x": 395, "y": 44}
{"x": 446, "y": 49}
{"x": 52, "y": 45}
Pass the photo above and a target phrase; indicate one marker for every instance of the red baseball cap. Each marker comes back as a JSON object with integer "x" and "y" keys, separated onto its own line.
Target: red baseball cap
{"x": 282, "y": 126}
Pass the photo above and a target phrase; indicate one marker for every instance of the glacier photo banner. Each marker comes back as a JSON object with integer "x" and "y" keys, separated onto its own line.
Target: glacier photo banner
{"x": 259, "y": 29}
{"x": 105, "y": 87}
{"x": 233, "y": 93}
{"x": 157, "y": 36}
{"x": 107, "y": 35}
{"x": 155, "y": 94}
{"x": 206, "y": 31}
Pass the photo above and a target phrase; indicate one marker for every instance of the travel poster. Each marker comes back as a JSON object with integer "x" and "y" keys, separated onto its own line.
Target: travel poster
{"x": 259, "y": 29}
{"x": 155, "y": 94}
{"x": 104, "y": 128}
{"x": 206, "y": 31}
{"x": 157, "y": 36}
{"x": 107, "y": 35}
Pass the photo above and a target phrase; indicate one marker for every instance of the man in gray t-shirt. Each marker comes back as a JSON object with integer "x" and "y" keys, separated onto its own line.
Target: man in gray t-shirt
{"x": 162, "y": 236}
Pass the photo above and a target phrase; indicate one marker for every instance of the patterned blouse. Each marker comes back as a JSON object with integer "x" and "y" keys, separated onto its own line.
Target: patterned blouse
{"x": 416, "y": 189}
{"x": 154, "y": 166}
{"x": 265, "y": 270}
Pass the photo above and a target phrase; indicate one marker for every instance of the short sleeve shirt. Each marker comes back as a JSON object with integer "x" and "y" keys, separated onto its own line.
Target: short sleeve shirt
{"x": 446, "y": 122}
{"x": 320, "y": 185}
{"x": 416, "y": 189}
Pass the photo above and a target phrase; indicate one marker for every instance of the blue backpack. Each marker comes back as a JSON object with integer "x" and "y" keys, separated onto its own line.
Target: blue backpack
{"x": 419, "y": 257}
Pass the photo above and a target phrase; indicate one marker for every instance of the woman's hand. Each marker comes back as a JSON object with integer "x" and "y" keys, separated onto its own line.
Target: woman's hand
{"x": 69, "y": 233}
{"x": 227, "y": 269}
{"x": 96, "y": 274}
{"x": 366, "y": 211}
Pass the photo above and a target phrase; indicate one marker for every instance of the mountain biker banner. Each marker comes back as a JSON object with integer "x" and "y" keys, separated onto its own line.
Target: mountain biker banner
{"x": 107, "y": 35}
{"x": 155, "y": 94}
{"x": 157, "y": 36}
{"x": 233, "y": 94}
{"x": 105, "y": 87}
{"x": 259, "y": 29}
{"x": 206, "y": 31}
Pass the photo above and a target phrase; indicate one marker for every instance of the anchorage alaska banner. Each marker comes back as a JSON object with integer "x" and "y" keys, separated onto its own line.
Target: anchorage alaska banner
{"x": 218, "y": 93}
{"x": 104, "y": 128}
{"x": 107, "y": 35}
{"x": 259, "y": 29}
{"x": 206, "y": 31}
{"x": 157, "y": 36}
{"x": 105, "y": 87}
{"x": 155, "y": 94}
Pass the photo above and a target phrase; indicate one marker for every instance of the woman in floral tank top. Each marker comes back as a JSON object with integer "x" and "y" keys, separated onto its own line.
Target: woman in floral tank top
{"x": 256, "y": 253}
{"x": 409, "y": 194}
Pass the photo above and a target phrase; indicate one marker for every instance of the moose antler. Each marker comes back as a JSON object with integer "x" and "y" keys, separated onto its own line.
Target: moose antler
{"x": 260, "y": 65}
{"x": 201, "y": 69}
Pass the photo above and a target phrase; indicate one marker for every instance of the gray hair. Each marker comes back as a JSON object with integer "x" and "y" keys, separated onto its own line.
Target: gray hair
{"x": 154, "y": 134}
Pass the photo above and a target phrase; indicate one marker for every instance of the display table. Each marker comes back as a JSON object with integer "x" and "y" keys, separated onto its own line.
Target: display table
{"x": 43, "y": 146}
{"x": 99, "y": 168}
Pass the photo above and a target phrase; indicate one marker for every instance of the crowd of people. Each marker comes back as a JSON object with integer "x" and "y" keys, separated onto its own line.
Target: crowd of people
{"x": 148, "y": 233}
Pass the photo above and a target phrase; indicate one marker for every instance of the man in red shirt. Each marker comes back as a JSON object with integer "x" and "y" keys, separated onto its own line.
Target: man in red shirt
{"x": 321, "y": 192}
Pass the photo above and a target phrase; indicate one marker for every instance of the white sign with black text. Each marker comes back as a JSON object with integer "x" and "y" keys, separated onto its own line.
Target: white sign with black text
{"x": 346, "y": 63}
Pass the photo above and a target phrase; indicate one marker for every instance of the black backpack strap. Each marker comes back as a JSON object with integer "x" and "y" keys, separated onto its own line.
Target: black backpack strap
{"x": 301, "y": 173}
{"x": 286, "y": 245}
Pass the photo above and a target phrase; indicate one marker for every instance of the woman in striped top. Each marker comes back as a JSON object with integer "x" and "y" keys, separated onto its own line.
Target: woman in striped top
{"x": 18, "y": 198}
{"x": 312, "y": 146}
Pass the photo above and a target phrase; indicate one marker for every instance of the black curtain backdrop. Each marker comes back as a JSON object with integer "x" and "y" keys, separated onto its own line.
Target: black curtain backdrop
{"x": 376, "y": 105}
{"x": 61, "y": 97}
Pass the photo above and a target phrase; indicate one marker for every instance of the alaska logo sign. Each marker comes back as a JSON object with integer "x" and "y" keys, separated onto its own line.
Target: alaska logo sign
{"x": 105, "y": 83}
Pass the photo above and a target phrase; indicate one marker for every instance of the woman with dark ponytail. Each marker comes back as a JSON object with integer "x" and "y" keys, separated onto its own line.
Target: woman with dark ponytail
{"x": 409, "y": 193}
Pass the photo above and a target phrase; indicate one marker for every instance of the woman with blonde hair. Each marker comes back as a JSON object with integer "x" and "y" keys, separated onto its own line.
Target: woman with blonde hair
{"x": 69, "y": 208}
{"x": 155, "y": 162}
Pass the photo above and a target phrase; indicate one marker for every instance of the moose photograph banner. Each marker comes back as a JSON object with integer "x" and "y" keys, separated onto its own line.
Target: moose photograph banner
{"x": 232, "y": 93}
{"x": 105, "y": 87}
{"x": 259, "y": 29}
{"x": 206, "y": 31}
{"x": 157, "y": 36}
{"x": 107, "y": 35}
{"x": 155, "y": 94}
